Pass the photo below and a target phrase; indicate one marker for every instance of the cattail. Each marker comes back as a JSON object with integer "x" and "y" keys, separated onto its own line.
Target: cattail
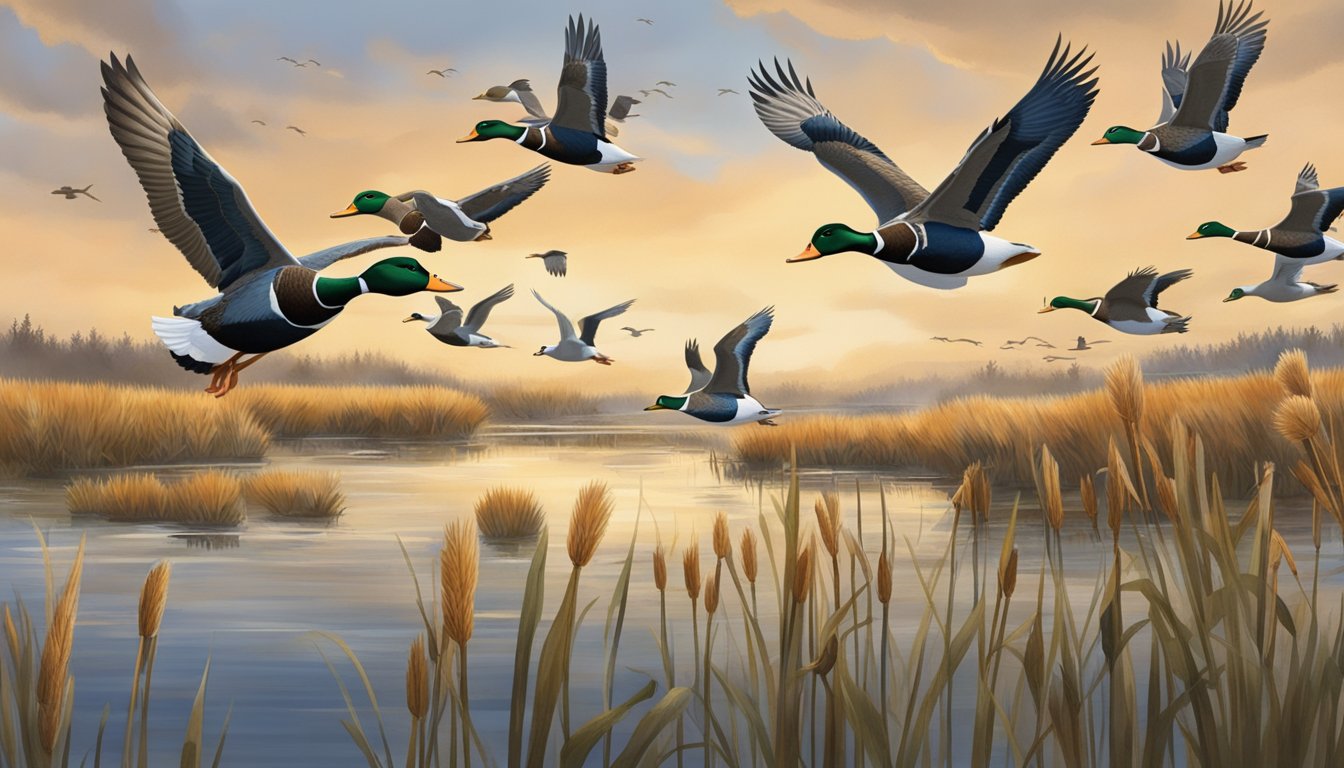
{"x": 883, "y": 579}
{"x": 723, "y": 545}
{"x": 802, "y": 575}
{"x": 1008, "y": 574}
{"x": 52, "y": 670}
{"x": 417, "y": 680}
{"x": 1297, "y": 418}
{"x": 153, "y": 598}
{"x": 690, "y": 570}
{"x": 659, "y": 568}
{"x": 748, "y": 548}
{"x": 1052, "y": 502}
{"x": 1292, "y": 373}
{"x": 458, "y": 572}
{"x": 974, "y": 494}
{"x": 828, "y": 522}
{"x": 711, "y": 594}
{"x": 1124, "y": 383}
{"x": 1088, "y": 492}
{"x": 592, "y": 511}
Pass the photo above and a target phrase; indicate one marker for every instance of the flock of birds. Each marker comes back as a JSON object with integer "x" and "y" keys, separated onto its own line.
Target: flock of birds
{"x": 268, "y": 299}
{"x": 1081, "y": 345}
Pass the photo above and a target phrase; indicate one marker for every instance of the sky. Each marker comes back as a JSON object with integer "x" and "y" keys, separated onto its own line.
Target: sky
{"x": 699, "y": 234}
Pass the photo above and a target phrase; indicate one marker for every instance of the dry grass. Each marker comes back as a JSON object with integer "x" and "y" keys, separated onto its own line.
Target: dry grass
{"x": 508, "y": 514}
{"x": 528, "y": 401}
{"x": 588, "y": 523}
{"x": 389, "y": 412}
{"x": 1235, "y": 414}
{"x": 201, "y": 498}
{"x": 296, "y": 494}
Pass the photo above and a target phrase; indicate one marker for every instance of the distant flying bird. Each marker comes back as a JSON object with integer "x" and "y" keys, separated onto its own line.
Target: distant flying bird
{"x": 1191, "y": 133}
{"x": 155, "y": 230}
{"x": 449, "y": 328}
{"x": 315, "y": 61}
{"x": 725, "y": 396}
{"x": 296, "y": 129}
{"x": 286, "y": 58}
{"x": 556, "y": 262}
{"x": 726, "y": 91}
{"x": 575, "y": 348}
{"x": 1047, "y": 358}
{"x": 636, "y": 332}
{"x": 620, "y": 108}
{"x": 1024, "y": 341}
{"x": 1045, "y": 344}
{"x": 70, "y": 192}
{"x": 937, "y": 239}
{"x": 267, "y": 298}
{"x": 668, "y": 83}
{"x": 1083, "y": 345}
{"x": 441, "y": 72}
{"x": 954, "y": 341}
{"x": 1131, "y": 306}
{"x": 655, "y": 90}
{"x": 259, "y": 122}
{"x": 646, "y": 21}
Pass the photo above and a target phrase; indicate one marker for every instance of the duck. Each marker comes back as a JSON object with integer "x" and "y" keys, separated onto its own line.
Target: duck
{"x": 556, "y": 262}
{"x": 577, "y": 134}
{"x": 1083, "y": 344}
{"x": 724, "y": 397}
{"x": 449, "y": 328}
{"x": 427, "y": 217}
{"x": 635, "y": 333}
{"x": 1301, "y": 237}
{"x": 1284, "y": 285}
{"x": 1191, "y": 133}
{"x": 576, "y": 348}
{"x": 520, "y": 92}
{"x": 1131, "y": 306}
{"x": 937, "y": 239}
{"x": 267, "y": 299}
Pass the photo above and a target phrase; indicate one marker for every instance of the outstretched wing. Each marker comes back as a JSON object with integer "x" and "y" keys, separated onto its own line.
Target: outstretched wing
{"x": 528, "y": 98}
{"x": 196, "y": 203}
{"x": 480, "y": 311}
{"x": 320, "y": 260}
{"x": 1220, "y": 70}
{"x": 1142, "y": 286}
{"x": 489, "y": 204}
{"x": 790, "y": 110}
{"x": 732, "y": 355}
{"x": 581, "y": 101}
{"x": 1314, "y": 209}
{"x": 450, "y": 317}
{"x": 700, "y": 375}
{"x": 566, "y": 327}
{"x": 556, "y": 262}
{"x": 620, "y": 108}
{"x": 1004, "y": 159}
{"x": 1175, "y": 71}
{"x": 1286, "y": 270}
{"x": 588, "y": 325}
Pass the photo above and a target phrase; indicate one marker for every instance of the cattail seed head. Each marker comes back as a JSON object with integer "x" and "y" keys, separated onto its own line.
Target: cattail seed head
{"x": 723, "y": 545}
{"x": 883, "y": 579}
{"x": 1297, "y": 418}
{"x": 592, "y": 512}
{"x": 1124, "y": 383}
{"x": 1052, "y": 502}
{"x": 660, "y": 568}
{"x": 802, "y": 575}
{"x": 153, "y": 598}
{"x": 54, "y": 666}
{"x": 1166, "y": 497}
{"x": 458, "y": 564}
{"x": 1292, "y": 373}
{"x": 828, "y": 522}
{"x": 1088, "y": 492}
{"x": 974, "y": 493}
{"x": 690, "y": 570}
{"x": 1008, "y": 574}
{"x": 748, "y": 548}
{"x": 711, "y": 594}
{"x": 417, "y": 680}
{"x": 1118, "y": 489}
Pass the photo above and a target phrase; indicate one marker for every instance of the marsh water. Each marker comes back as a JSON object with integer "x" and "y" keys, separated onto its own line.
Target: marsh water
{"x": 252, "y": 600}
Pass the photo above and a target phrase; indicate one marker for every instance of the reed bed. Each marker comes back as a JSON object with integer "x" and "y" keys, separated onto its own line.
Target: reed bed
{"x": 388, "y": 412}
{"x": 527, "y": 401}
{"x": 1234, "y": 414}
{"x": 509, "y": 514}
{"x": 201, "y": 498}
{"x": 304, "y": 494}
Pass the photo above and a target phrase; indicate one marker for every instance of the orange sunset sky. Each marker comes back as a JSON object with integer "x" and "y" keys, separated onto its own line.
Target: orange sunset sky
{"x": 700, "y": 232}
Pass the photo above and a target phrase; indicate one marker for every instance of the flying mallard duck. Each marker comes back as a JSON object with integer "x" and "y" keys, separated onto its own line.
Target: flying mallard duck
{"x": 556, "y": 262}
{"x": 520, "y": 92}
{"x": 449, "y": 328}
{"x": 1131, "y": 306}
{"x": 1300, "y": 238}
{"x": 268, "y": 299}
{"x": 1191, "y": 131}
{"x": 575, "y": 348}
{"x": 577, "y": 134}
{"x": 938, "y": 239}
{"x": 724, "y": 397}
{"x": 1284, "y": 285}
{"x": 461, "y": 220}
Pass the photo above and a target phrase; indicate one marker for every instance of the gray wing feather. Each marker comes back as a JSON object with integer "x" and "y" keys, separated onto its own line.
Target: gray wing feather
{"x": 1314, "y": 209}
{"x": 588, "y": 325}
{"x": 787, "y": 106}
{"x": 581, "y": 99}
{"x": 556, "y": 262}
{"x": 450, "y": 317}
{"x": 1216, "y": 78}
{"x": 700, "y": 375}
{"x": 1286, "y": 270}
{"x": 732, "y": 355}
{"x": 320, "y": 260}
{"x": 197, "y": 205}
{"x": 480, "y": 311}
{"x": 529, "y": 99}
{"x": 566, "y": 327}
{"x": 1175, "y": 66}
{"x": 489, "y": 204}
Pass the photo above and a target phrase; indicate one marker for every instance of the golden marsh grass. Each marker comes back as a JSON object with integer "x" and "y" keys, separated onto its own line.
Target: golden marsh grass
{"x": 390, "y": 412}
{"x": 288, "y": 493}
{"x": 506, "y": 513}
{"x": 201, "y": 498}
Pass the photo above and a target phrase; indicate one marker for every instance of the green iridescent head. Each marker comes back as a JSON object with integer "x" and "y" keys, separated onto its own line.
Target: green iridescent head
{"x": 836, "y": 238}
{"x": 493, "y": 129}
{"x": 368, "y": 201}
{"x": 1237, "y": 293}
{"x": 1211, "y": 229}
{"x": 667, "y": 403}
{"x": 1120, "y": 134}
{"x": 1064, "y": 302}
{"x": 402, "y": 276}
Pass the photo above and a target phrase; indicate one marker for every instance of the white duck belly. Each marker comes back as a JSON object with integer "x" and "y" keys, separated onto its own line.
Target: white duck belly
{"x": 1229, "y": 148}
{"x": 612, "y": 156}
{"x": 1155, "y": 324}
{"x": 749, "y": 409}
